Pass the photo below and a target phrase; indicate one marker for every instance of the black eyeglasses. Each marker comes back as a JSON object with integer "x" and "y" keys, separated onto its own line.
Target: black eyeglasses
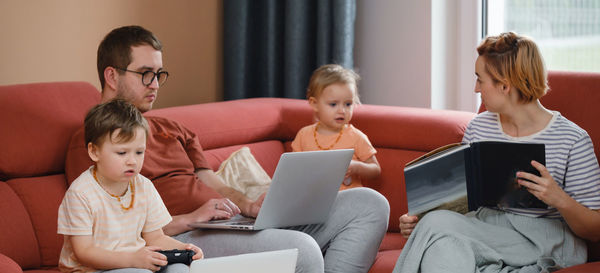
{"x": 148, "y": 76}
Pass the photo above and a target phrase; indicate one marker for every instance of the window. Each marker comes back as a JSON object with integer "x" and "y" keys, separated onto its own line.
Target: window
{"x": 566, "y": 31}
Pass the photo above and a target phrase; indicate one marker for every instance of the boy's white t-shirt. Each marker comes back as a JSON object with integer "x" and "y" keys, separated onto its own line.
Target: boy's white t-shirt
{"x": 87, "y": 209}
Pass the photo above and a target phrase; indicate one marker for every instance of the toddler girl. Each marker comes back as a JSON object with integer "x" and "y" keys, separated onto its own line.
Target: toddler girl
{"x": 332, "y": 94}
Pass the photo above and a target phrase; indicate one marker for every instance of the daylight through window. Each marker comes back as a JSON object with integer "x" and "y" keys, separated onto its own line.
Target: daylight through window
{"x": 567, "y": 31}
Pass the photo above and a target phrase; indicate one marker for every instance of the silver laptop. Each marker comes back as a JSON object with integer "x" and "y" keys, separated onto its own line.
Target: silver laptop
{"x": 279, "y": 261}
{"x": 302, "y": 191}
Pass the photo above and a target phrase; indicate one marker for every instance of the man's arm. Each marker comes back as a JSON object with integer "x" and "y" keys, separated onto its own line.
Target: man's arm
{"x": 248, "y": 207}
{"x": 222, "y": 208}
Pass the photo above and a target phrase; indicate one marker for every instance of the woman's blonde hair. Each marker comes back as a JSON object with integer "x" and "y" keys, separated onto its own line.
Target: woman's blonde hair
{"x": 515, "y": 59}
{"x": 330, "y": 74}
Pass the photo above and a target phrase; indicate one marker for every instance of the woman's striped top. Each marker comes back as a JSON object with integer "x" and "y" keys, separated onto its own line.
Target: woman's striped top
{"x": 570, "y": 157}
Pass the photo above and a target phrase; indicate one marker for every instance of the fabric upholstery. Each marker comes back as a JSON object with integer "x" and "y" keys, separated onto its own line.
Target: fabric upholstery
{"x": 17, "y": 237}
{"x": 576, "y": 96}
{"x": 250, "y": 122}
{"x": 38, "y": 114}
{"x": 385, "y": 261}
{"x": 7, "y": 265}
{"x": 41, "y": 197}
{"x": 582, "y": 268}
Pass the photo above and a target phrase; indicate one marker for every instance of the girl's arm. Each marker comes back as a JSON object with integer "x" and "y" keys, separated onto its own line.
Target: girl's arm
{"x": 99, "y": 258}
{"x": 583, "y": 221}
{"x": 369, "y": 169}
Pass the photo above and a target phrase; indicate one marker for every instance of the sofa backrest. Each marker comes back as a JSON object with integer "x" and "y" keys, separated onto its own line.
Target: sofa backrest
{"x": 576, "y": 96}
{"x": 37, "y": 123}
{"x": 263, "y": 124}
{"x": 399, "y": 134}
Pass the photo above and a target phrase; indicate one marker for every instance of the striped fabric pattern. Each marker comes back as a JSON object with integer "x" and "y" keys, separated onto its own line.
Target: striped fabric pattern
{"x": 570, "y": 157}
{"x": 87, "y": 209}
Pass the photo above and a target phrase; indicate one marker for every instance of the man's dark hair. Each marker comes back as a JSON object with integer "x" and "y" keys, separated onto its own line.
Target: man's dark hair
{"x": 115, "y": 48}
{"x": 105, "y": 118}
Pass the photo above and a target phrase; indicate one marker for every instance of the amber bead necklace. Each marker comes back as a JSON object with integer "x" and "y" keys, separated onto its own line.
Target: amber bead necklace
{"x": 131, "y": 185}
{"x": 333, "y": 144}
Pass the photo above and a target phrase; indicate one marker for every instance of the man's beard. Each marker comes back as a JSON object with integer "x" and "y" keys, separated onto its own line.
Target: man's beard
{"x": 125, "y": 93}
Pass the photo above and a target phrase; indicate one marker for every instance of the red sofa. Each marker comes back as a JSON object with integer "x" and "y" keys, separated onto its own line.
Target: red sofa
{"x": 38, "y": 119}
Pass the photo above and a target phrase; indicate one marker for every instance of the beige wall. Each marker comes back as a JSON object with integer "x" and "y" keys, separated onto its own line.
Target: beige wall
{"x": 57, "y": 40}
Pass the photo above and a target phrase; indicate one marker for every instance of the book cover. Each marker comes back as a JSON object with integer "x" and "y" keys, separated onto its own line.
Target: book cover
{"x": 463, "y": 177}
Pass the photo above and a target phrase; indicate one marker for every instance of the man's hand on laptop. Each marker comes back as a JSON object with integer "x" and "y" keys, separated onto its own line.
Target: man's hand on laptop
{"x": 223, "y": 208}
{"x": 251, "y": 210}
{"x": 214, "y": 209}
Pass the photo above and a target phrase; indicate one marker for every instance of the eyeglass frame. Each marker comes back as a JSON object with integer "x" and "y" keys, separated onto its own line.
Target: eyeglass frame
{"x": 155, "y": 75}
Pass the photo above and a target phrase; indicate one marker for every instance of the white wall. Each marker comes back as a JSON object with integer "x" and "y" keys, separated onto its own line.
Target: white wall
{"x": 393, "y": 52}
{"x": 455, "y": 32}
{"x": 418, "y": 53}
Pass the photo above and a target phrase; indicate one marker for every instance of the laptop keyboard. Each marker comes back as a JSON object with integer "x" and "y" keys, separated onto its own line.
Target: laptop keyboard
{"x": 244, "y": 222}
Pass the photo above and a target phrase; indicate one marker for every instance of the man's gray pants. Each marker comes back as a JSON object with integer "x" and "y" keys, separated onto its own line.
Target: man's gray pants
{"x": 348, "y": 242}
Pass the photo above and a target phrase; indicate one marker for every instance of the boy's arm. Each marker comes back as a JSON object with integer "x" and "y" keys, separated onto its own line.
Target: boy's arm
{"x": 99, "y": 258}
{"x": 369, "y": 169}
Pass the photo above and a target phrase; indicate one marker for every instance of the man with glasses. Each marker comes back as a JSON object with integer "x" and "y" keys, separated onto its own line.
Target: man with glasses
{"x": 130, "y": 67}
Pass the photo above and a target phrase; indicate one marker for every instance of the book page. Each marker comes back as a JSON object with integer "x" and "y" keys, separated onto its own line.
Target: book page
{"x": 438, "y": 152}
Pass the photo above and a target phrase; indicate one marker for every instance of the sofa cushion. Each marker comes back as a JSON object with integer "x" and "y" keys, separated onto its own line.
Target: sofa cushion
{"x": 391, "y": 241}
{"x": 416, "y": 129}
{"x": 17, "y": 237}
{"x": 569, "y": 95}
{"x": 385, "y": 261}
{"x": 253, "y": 120}
{"x": 7, "y": 265}
{"x": 41, "y": 117}
{"x": 267, "y": 154}
{"x": 582, "y": 268}
{"x": 243, "y": 173}
{"x": 42, "y": 197}
{"x": 392, "y": 160}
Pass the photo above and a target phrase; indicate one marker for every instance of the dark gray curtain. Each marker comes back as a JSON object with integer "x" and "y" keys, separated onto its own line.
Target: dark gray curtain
{"x": 271, "y": 47}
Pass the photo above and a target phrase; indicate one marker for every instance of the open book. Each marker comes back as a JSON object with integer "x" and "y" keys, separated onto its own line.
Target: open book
{"x": 480, "y": 173}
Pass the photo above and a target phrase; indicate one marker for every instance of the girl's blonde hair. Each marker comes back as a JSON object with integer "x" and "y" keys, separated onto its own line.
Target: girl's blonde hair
{"x": 515, "y": 59}
{"x": 330, "y": 74}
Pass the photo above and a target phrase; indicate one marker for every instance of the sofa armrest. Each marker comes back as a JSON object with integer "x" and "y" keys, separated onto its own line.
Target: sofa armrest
{"x": 7, "y": 265}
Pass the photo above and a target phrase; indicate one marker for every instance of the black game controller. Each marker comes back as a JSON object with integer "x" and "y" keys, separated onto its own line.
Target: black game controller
{"x": 178, "y": 256}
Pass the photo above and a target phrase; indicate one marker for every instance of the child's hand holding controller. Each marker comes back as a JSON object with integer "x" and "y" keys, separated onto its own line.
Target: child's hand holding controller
{"x": 198, "y": 252}
{"x": 186, "y": 256}
{"x": 148, "y": 258}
